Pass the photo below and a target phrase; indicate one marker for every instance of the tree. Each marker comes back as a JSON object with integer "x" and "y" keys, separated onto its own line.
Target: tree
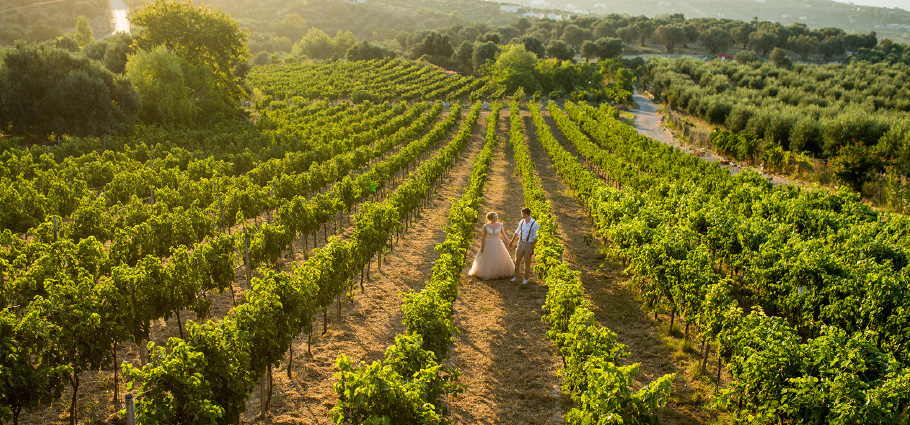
{"x": 780, "y": 59}
{"x": 119, "y": 47}
{"x": 627, "y": 34}
{"x": 604, "y": 29}
{"x": 83, "y": 31}
{"x": 805, "y": 45}
{"x": 203, "y": 37}
{"x": 315, "y": 44}
{"x": 762, "y": 42}
{"x": 645, "y": 30}
{"x": 464, "y": 53}
{"x": 343, "y": 41}
{"x": 602, "y": 48}
{"x": 45, "y": 90}
{"x": 574, "y": 35}
{"x": 514, "y": 69}
{"x": 692, "y": 34}
{"x": 741, "y": 34}
{"x": 534, "y": 45}
{"x": 588, "y": 50}
{"x": 522, "y": 25}
{"x": 433, "y": 44}
{"x": 159, "y": 77}
{"x": 492, "y": 36}
{"x": 671, "y": 36}
{"x": 609, "y": 47}
{"x": 291, "y": 26}
{"x": 832, "y": 46}
{"x": 40, "y": 33}
{"x": 560, "y": 50}
{"x": 483, "y": 53}
{"x": 716, "y": 40}
{"x": 367, "y": 51}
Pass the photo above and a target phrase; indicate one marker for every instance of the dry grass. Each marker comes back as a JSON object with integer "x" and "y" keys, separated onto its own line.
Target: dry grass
{"x": 508, "y": 366}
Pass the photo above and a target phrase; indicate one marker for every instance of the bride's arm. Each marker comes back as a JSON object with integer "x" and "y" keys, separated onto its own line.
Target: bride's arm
{"x": 483, "y": 238}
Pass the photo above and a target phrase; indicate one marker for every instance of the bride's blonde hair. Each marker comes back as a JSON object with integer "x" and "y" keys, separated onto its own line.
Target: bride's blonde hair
{"x": 490, "y": 215}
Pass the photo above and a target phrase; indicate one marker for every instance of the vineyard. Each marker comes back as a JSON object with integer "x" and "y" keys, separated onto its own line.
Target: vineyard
{"x": 311, "y": 268}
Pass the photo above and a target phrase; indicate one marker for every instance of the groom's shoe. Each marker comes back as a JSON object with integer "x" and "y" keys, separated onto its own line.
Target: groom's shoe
{"x": 524, "y": 282}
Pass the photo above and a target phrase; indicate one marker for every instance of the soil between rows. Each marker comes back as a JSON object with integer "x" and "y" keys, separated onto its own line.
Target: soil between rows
{"x": 369, "y": 325}
{"x": 508, "y": 367}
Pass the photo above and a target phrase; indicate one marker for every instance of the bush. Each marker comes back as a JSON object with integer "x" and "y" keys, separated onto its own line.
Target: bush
{"x": 855, "y": 163}
{"x": 360, "y": 96}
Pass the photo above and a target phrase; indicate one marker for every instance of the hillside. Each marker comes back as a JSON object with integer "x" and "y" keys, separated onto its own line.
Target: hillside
{"x": 890, "y": 23}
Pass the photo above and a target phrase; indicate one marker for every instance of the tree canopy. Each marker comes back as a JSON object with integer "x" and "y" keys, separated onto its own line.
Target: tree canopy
{"x": 202, "y": 36}
{"x": 46, "y": 90}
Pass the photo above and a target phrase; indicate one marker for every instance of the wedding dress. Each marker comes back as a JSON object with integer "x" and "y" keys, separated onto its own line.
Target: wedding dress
{"x": 494, "y": 262}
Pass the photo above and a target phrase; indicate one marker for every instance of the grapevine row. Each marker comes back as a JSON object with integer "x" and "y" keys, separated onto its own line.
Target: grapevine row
{"x": 601, "y": 390}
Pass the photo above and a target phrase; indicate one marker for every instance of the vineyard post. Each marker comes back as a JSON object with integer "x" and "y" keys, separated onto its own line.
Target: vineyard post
{"x": 130, "y": 409}
{"x": 246, "y": 256}
{"x": 55, "y": 227}
{"x": 221, "y": 210}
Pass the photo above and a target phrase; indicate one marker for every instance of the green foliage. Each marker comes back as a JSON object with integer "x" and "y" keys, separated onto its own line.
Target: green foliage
{"x": 742, "y": 145}
{"x": 33, "y": 374}
{"x": 855, "y": 163}
{"x": 44, "y": 90}
{"x": 434, "y": 44}
{"x": 394, "y": 393}
{"x": 482, "y": 55}
{"x": 671, "y": 36}
{"x": 602, "y": 391}
{"x": 779, "y": 58}
{"x": 514, "y": 69}
{"x": 781, "y": 241}
{"x": 560, "y": 50}
{"x": 83, "y": 31}
{"x": 602, "y": 48}
{"x": 161, "y": 78}
{"x": 204, "y": 379}
{"x": 205, "y": 38}
{"x": 716, "y": 40}
{"x": 316, "y": 44}
{"x": 364, "y": 50}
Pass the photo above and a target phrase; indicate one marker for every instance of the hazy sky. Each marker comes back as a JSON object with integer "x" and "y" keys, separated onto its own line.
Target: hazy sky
{"x": 903, "y": 4}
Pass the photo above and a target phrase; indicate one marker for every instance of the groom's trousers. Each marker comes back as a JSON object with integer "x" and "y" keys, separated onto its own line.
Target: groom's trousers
{"x": 523, "y": 254}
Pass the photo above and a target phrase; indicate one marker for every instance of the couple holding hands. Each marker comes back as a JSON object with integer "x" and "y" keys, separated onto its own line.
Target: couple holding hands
{"x": 493, "y": 260}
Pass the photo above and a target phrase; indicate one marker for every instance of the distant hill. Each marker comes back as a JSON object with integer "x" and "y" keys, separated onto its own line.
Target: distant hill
{"x": 887, "y": 23}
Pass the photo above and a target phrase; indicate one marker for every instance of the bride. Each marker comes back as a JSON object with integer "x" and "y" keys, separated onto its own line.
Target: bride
{"x": 493, "y": 260}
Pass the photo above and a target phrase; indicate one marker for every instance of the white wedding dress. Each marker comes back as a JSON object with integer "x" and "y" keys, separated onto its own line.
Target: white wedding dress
{"x": 494, "y": 262}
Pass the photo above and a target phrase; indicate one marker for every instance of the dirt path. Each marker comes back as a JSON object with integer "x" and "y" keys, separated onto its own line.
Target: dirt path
{"x": 508, "y": 366}
{"x": 369, "y": 325}
{"x": 615, "y": 306}
{"x": 648, "y": 122}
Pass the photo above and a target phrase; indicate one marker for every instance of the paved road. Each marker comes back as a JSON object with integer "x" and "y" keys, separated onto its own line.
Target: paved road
{"x": 119, "y": 12}
{"x": 649, "y": 122}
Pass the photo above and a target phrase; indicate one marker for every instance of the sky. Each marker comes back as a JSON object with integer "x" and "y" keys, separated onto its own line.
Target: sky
{"x": 903, "y": 4}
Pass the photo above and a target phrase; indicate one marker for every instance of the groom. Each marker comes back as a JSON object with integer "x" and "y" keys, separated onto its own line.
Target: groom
{"x": 526, "y": 233}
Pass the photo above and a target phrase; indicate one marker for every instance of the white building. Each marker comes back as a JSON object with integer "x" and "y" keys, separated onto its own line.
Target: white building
{"x": 510, "y": 8}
